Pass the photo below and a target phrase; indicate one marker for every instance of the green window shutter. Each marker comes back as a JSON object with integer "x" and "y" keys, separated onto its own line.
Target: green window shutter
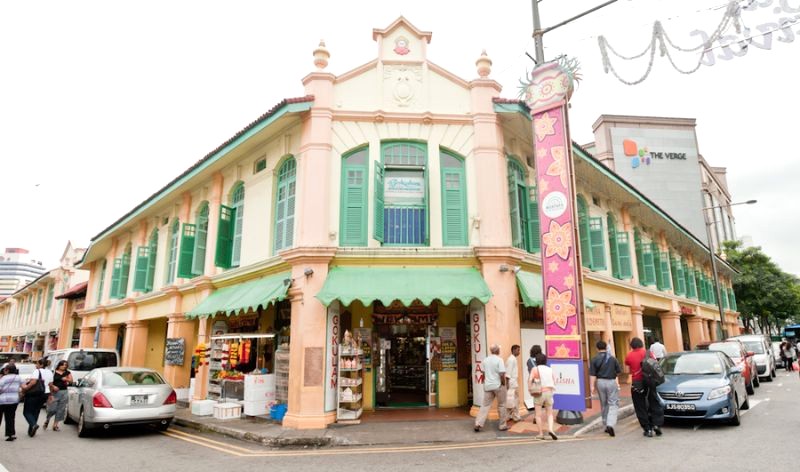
{"x": 377, "y": 231}
{"x": 596, "y": 238}
{"x": 674, "y": 271}
{"x": 115, "y": 277}
{"x": 50, "y": 294}
{"x": 702, "y": 286}
{"x": 534, "y": 235}
{"x": 238, "y": 224}
{"x": 172, "y": 253}
{"x": 678, "y": 282}
{"x": 657, "y": 265}
{"x": 624, "y": 256}
{"x": 691, "y": 282}
{"x": 648, "y": 264}
{"x": 734, "y": 307}
{"x": 454, "y": 207}
{"x": 724, "y": 295}
{"x": 200, "y": 243}
{"x": 222, "y": 257}
{"x": 613, "y": 248}
{"x": 353, "y": 219}
{"x": 637, "y": 240}
{"x": 517, "y": 232}
{"x": 665, "y": 275}
{"x": 102, "y": 281}
{"x": 124, "y": 275}
{"x": 151, "y": 263}
{"x": 140, "y": 275}
{"x": 188, "y": 237}
{"x": 583, "y": 234}
{"x": 284, "y": 206}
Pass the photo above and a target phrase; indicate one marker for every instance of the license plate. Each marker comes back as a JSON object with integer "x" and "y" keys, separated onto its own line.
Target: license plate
{"x": 681, "y": 406}
{"x": 138, "y": 400}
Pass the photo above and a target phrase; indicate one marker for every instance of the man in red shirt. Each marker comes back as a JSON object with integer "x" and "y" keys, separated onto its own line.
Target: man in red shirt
{"x": 645, "y": 400}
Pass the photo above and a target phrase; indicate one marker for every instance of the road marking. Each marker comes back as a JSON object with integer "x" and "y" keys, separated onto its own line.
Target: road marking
{"x": 3, "y": 469}
{"x": 239, "y": 451}
{"x": 754, "y": 403}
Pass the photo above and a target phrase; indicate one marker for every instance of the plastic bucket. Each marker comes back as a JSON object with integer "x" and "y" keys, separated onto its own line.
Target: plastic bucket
{"x": 277, "y": 412}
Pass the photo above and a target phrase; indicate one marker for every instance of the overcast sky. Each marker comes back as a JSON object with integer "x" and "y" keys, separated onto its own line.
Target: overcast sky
{"x": 102, "y": 103}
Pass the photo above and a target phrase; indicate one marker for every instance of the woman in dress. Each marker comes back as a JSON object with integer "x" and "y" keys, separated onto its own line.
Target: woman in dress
{"x": 58, "y": 389}
{"x": 543, "y": 374}
{"x": 10, "y": 384}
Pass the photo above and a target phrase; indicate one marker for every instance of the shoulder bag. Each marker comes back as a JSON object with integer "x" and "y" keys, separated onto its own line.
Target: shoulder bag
{"x": 535, "y": 383}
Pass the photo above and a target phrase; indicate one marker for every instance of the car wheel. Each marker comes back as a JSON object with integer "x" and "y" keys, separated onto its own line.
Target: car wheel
{"x": 735, "y": 419}
{"x": 83, "y": 427}
{"x": 749, "y": 388}
{"x": 68, "y": 419}
{"x": 163, "y": 427}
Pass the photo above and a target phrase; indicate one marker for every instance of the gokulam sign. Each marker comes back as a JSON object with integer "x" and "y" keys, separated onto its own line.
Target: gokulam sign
{"x": 621, "y": 319}
{"x": 332, "y": 356}
{"x": 477, "y": 320}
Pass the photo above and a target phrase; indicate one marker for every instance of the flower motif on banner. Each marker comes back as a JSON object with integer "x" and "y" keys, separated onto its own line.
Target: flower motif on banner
{"x": 544, "y": 127}
{"x": 553, "y": 267}
{"x": 558, "y": 240}
{"x": 559, "y": 166}
{"x": 562, "y": 351}
{"x": 544, "y": 186}
{"x": 559, "y": 307}
{"x": 569, "y": 281}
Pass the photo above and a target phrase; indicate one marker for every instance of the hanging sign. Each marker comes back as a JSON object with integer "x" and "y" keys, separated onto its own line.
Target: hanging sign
{"x": 547, "y": 95}
{"x": 332, "y": 356}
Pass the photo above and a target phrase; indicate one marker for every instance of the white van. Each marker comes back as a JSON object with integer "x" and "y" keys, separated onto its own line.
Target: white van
{"x": 81, "y": 361}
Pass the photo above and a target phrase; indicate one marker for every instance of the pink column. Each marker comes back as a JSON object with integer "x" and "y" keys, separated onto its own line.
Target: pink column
{"x": 671, "y": 327}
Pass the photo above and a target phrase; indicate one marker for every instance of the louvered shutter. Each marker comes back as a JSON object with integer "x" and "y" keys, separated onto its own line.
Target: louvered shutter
{"x": 151, "y": 263}
{"x": 637, "y": 240}
{"x": 583, "y": 234}
{"x": 222, "y": 257}
{"x": 140, "y": 276}
{"x": 378, "y": 230}
{"x": 353, "y": 226}
{"x": 115, "y": 273}
{"x": 624, "y": 254}
{"x": 613, "y": 248}
{"x": 596, "y": 238}
{"x": 534, "y": 235}
{"x": 665, "y": 275}
{"x": 517, "y": 237}
{"x": 124, "y": 274}
{"x": 200, "y": 243}
{"x": 454, "y": 207}
{"x": 188, "y": 235}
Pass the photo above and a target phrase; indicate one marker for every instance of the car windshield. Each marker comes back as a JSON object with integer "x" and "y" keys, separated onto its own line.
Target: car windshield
{"x": 131, "y": 377}
{"x": 693, "y": 364}
{"x": 91, "y": 360}
{"x": 755, "y": 346}
{"x": 731, "y": 349}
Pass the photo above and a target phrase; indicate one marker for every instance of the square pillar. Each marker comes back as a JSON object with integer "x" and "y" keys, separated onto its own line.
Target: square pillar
{"x": 108, "y": 337}
{"x": 134, "y": 347}
{"x": 715, "y": 330}
{"x": 637, "y": 312}
{"x": 179, "y": 327}
{"x": 695, "y": 331}
{"x": 201, "y": 373}
{"x": 87, "y": 337}
{"x": 671, "y": 327}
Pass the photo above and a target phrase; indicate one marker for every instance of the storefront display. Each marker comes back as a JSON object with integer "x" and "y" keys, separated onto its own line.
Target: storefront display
{"x": 350, "y": 391}
{"x": 231, "y": 356}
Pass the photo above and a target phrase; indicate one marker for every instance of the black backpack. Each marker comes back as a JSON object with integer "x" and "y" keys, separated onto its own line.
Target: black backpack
{"x": 652, "y": 374}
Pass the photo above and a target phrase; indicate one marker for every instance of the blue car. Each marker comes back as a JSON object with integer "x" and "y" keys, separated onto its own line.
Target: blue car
{"x": 702, "y": 385}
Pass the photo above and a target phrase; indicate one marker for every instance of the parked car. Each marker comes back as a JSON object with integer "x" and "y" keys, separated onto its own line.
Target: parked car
{"x": 118, "y": 396}
{"x": 776, "y": 353}
{"x": 81, "y": 361}
{"x": 762, "y": 354}
{"x": 736, "y": 351}
{"x": 704, "y": 385}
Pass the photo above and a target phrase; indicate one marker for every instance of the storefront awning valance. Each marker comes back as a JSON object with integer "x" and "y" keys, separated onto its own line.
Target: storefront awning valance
{"x": 241, "y": 297}
{"x": 530, "y": 290}
{"x": 406, "y": 284}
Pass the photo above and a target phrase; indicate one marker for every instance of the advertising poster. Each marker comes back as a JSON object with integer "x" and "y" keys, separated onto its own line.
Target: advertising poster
{"x": 449, "y": 349}
{"x": 365, "y": 336}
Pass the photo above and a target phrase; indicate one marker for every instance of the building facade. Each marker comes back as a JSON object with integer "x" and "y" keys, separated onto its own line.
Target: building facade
{"x": 30, "y": 317}
{"x": 17, "y": 269}
{"x": 393, "y": 206}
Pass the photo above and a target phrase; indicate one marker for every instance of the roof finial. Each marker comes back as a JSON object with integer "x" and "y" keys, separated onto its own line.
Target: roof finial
{"x": 484, "y": 64}
{"x": 321, "y": 55}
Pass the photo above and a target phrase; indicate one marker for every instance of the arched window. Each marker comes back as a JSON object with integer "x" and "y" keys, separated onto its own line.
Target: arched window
{"x": 229, "y": 230}
{"x": 454, "y": 200}
{"x": 401, "y": 194}
{"x": 172, "y": 254}
{"x": 284, "y": 205}
{"x": 523, "y": 208}
{"x": 620, "y": 250}
{"x": 353, "y": 210}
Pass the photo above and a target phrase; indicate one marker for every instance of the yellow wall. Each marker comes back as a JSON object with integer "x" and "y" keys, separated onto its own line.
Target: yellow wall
{"x": 447, "y": 395}
{"x": 360, "y": 312}
{"x": 156, "y": 342}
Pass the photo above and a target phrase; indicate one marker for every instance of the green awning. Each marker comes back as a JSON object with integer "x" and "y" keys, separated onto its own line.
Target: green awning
{"x": 406, "y": 284}
{"x": 530, "y": 290}
{"x": 241, "y": 297}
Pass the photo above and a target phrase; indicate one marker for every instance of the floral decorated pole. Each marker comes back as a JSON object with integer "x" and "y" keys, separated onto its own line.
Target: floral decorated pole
{"x": 547, "y": 95}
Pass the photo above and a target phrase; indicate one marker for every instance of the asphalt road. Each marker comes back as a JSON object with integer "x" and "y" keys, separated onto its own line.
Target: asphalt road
{"x": 762, "y": 441}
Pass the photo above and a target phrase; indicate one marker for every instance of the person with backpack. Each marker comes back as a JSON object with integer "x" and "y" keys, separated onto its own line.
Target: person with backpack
{"x": 646, "y": 375}
{"x": 603, "y": 371}
{"x": 36, "y": 390}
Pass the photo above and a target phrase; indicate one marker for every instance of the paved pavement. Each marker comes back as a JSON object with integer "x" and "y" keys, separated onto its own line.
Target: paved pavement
{"x": 762, "y": 440}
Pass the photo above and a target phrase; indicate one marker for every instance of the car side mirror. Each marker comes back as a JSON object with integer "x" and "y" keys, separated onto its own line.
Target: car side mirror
{"x": 750, "y": 353}
{"x": 737, "y": 369}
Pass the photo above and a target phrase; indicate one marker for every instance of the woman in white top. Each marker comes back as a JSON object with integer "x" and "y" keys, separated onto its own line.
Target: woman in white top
{"x": 543, "y": 374}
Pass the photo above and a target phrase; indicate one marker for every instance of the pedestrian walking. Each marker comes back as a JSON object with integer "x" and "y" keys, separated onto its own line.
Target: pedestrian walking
{"x": 658, "y": 349}
{"x": 645, "y": 403}
{"x": 789, "y": 353}
{"x": 36, "y": 391}
{"x": 10, "y": 383}
{"x": 542, "y": 386}
{"x": 535, "y": 349}
{"x": 57, "y": 404}
{"x": 494, "y": 388}
{"x": 512, "y": 374}
{"x": 603, "y": 371}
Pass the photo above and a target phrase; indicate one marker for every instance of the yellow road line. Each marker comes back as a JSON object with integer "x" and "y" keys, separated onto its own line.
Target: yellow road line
{"x": 244, "y": 452}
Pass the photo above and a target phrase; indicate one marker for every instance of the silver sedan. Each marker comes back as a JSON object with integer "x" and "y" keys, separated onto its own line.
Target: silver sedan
{"x": 117, "y": 396}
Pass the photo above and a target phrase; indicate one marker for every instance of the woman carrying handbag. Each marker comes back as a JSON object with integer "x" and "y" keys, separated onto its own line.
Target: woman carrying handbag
{"x": 542, "y": 386}
{"x": 36, "y": 391}
{"x": 10, "y": 384}
{"x": 58, "y": 393}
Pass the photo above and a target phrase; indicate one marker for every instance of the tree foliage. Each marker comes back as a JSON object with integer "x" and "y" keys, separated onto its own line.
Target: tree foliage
{"x": 764, "y": 293}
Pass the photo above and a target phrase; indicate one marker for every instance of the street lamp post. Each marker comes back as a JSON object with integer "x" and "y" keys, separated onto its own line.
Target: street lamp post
{"x": 721, "y": 332}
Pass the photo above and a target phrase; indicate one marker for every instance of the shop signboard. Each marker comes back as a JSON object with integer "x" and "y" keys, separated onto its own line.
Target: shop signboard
{"x": 175, "y": 351}
{"x": 547, "y": 95}
{"x": 365, "y": 336}
{"x": 332, "y": 356}
{"x": 596, "y": 317}
{"x": 243, "y": 323}
{"x": 477, "y": 319}
{"x": 449, "y": 349}
{"x": 621, "y": 319}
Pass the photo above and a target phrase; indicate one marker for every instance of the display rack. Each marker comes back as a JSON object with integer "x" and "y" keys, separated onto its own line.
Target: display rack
{"x": 282, "y": 376}
{"x": 350, "y": 389}
{"x": 219, "y": 359}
